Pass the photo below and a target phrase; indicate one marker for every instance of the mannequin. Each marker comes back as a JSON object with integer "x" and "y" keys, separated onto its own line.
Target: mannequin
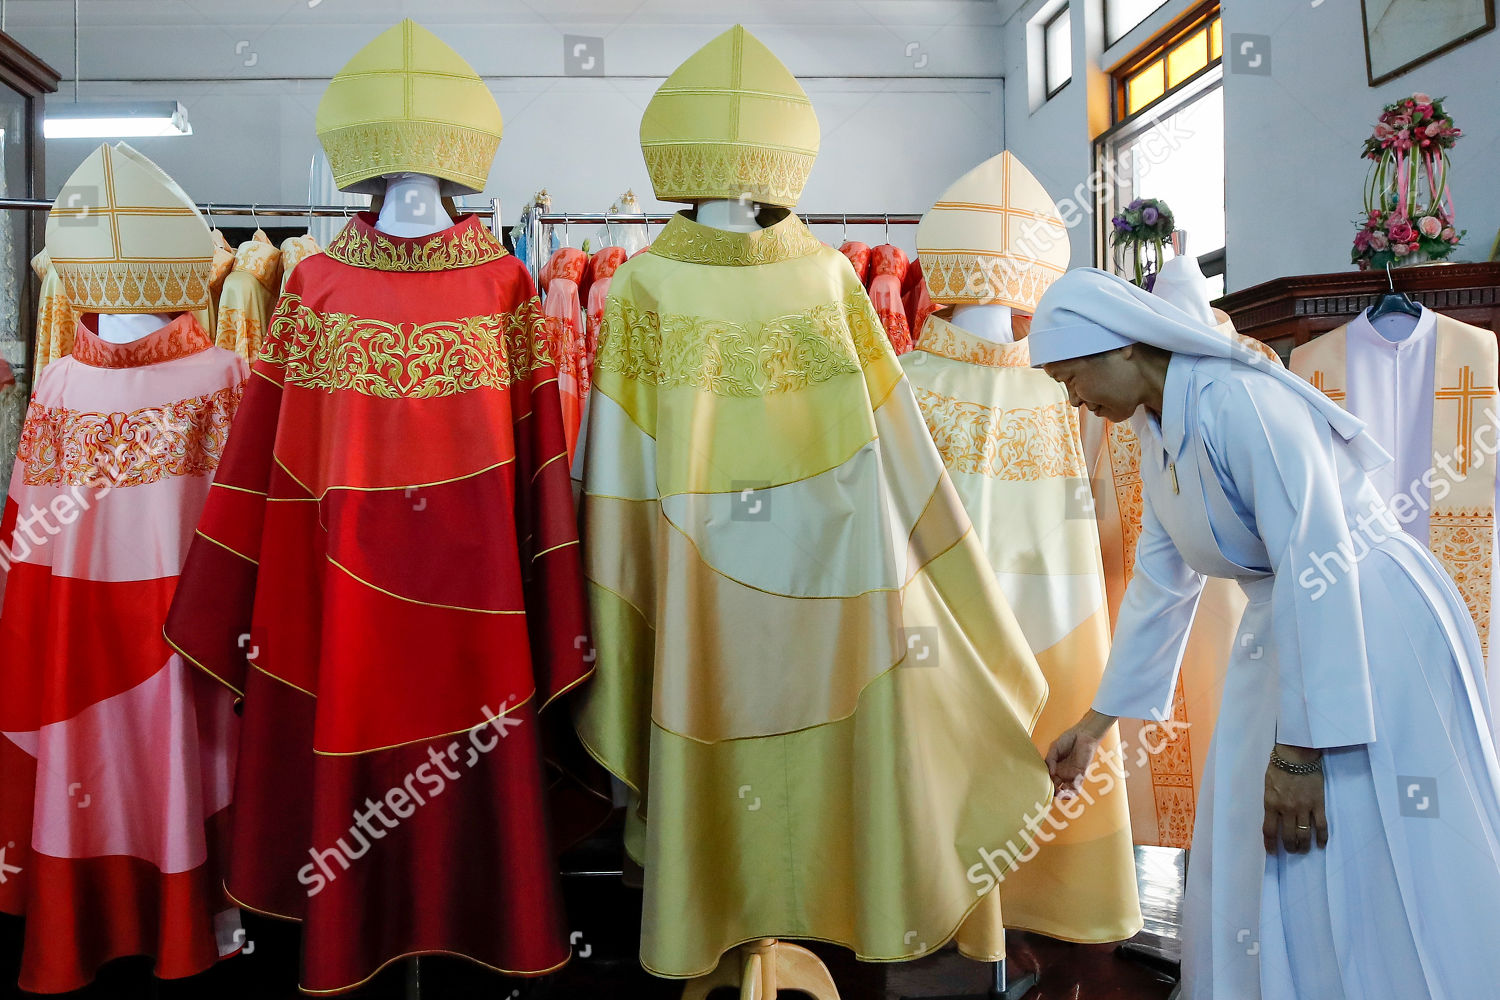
{"x": 412, "y": 206}
{"x": 127, "y": 328}
{"x": 736, "y": 215}
{"x": 991, "y": 323}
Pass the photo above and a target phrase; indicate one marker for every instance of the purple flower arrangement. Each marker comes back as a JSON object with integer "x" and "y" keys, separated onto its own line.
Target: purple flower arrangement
{"x": 1145, "y": 223}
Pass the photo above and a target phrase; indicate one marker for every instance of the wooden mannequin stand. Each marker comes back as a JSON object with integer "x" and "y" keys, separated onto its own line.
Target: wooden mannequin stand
{"x": 761, "y": 969}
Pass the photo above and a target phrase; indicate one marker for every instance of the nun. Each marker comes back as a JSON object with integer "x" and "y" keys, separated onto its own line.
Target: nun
{"x": 1346, "y": 841}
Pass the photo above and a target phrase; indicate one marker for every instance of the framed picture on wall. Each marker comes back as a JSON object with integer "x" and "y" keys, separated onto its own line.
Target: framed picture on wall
{"x": 1403, "y": 34}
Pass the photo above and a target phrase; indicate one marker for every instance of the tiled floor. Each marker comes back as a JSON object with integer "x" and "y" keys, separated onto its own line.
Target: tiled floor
{"x": 608, "y": 918}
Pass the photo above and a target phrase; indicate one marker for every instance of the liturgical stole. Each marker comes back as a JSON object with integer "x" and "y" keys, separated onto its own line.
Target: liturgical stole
{"x": 1462, "y": 531}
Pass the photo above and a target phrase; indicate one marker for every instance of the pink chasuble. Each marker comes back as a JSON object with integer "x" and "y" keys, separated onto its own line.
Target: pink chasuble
{"x": 115, "y": 758}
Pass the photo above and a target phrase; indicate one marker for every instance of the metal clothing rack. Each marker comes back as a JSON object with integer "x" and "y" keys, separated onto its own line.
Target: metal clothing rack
{"x": 255, "y": 210}
{"x": 845, "y": 219}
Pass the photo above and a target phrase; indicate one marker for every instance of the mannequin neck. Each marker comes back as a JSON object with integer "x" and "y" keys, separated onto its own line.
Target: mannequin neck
{"x": 734, "y": 215}
{"x": 413, "y": 206}
{"x": 127, "y": 328}
{"x": 990, "y": 323}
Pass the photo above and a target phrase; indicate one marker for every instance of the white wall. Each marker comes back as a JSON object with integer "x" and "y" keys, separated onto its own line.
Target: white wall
{"x": 1293, "y": 199}
{"x": 907, "y": 91}
{"x": 1294, "y": 179}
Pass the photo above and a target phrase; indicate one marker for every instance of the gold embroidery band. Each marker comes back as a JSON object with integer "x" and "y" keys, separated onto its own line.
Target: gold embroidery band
{"x": 340, "y": 351}
{"x": 463, "y": 246}
{"x": 783, "y": 354}
{"x": 118, "y": 450}
{"x": 1023, "y": 444}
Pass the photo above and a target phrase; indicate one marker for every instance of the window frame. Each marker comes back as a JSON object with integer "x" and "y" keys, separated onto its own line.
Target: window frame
{"x": 1160, "y": 47}
{"x": 1106, "y": 203}
{"x": 1108, "y": 41}
{"x": 1050, "y": 91}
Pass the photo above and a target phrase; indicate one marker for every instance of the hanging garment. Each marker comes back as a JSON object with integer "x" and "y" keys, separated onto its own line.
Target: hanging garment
{"x": 12, "y": 414}
{"x": 859, "y": 259}
{"x": 294, "y": 250}
{"x": 399, "y": 647}
{"x": 564, "y": 311}
{"x": 1247, "y": 475}
{"x": 1427, "y": 397}
{"x": 249, "y": 295}
{"x": 1009, "y": 440}
{"x": 806, "y": 672}
{"x": 915, "y": 298}
{"x": 602, "y": 268}
{"x": 116, "y": 758}
{"x": 888, "y": 265}
{"x": 222, "y": 266}
{"x": 56, "y": 320}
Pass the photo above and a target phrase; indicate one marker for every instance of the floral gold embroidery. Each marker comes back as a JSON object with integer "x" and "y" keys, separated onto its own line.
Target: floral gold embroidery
{"x": 339, "y": 351}
{"x": 946, "y": 340}
{"x": 1125, "y": 464}
{"x": 181, "y": 338}
{"x": 240, "y": 332}
{"x": 372, "y": 149}
{"x": 688, "y": 241}
{"x": 1463, "y": 541}
{"x": 730, "y": 359}
{"x": 154, "y": 286}
{"x": 67, "y": 447}
{"x": 695, "y": 172}
{"x": 1023, "y": 444}
{"x": 959, "y": 278}
{"x": 361, "y": 245}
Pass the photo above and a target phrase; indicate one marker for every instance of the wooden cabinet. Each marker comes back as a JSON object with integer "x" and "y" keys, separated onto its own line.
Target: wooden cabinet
{"x": 1288, "y": 312}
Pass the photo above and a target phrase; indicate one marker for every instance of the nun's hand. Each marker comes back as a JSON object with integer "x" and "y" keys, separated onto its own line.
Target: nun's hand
{"x": 1071, "y": 753}
{"x": 1294, "y": 805}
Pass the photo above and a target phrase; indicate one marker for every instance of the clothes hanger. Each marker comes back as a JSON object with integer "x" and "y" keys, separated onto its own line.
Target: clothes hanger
{"x": 887, "y": 227}
{"x": 1392, "y": 302}
{"x": 845, "y": 237}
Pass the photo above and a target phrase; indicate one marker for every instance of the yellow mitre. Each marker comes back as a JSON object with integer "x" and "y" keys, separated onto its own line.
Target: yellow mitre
{"x": 731, "y": 122}
{"x": 125, "y": 238}
{"x": 993, "y": 238}
{"x": 408, "y": 103}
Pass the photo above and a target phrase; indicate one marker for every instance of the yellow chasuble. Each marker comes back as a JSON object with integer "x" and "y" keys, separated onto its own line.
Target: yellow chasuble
{"x": 1010, "y": 442}
{"x": 249, "y": 295}
{"x": 806, "y": 670}
{"x": 1466, "y": 396}
{"x": 1164, "y": 759}
{"x": 294, "y": 250}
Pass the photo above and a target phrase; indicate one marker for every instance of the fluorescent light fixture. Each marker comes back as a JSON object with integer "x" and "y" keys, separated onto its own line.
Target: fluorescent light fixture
{"x": 108, "y": 120}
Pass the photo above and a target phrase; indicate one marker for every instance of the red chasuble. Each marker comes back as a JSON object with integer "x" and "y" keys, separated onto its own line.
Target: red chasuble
{"x": 116, "y": 758}
{"x": 388, "y": 573}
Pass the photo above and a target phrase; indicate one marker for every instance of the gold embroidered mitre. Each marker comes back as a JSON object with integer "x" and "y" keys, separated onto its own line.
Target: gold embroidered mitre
{"x": 408, "y": 103}
{"x": 125, "y": 238}
{"x": 993, "y": 238}
{"x": 731, "y": 122}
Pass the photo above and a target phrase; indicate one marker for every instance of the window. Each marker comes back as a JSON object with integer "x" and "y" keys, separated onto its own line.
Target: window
{"x": 1058, "y": 51}
{"x": 1168, "y": 139}
{"x": 1120, "y": 16}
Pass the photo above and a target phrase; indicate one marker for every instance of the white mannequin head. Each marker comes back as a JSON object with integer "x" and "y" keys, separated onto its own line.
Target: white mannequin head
{"x": 412, "y": 206}
{"x": 735, "y": 215}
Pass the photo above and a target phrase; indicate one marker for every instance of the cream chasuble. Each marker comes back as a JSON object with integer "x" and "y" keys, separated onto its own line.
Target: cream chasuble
{"x": 1164, "y": 759}
{"x": 1427, "y": 399}
{"x": 249, "y": 295}
{"x": 1010, "y": 443}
